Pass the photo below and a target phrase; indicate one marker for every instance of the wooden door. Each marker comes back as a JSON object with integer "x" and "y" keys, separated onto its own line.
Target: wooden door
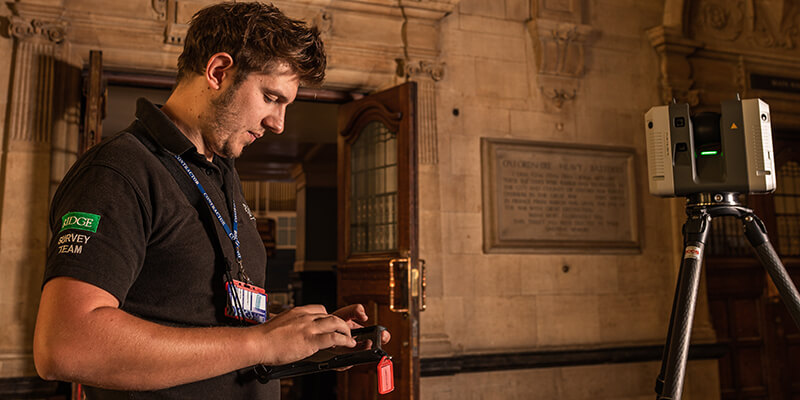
{"x": 377, "y": 256}
{"x": 783, "y": 334}
{"x": 94, "y": 100}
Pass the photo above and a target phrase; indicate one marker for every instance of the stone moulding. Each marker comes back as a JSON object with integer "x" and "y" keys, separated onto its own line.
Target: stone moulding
{"x": 422, "y": 9}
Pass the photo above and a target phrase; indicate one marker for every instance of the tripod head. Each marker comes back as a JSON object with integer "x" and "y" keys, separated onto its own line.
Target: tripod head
{"x": 702, "y": 207}
{"x": 708, "y": 205}
{"x": 712, "y": 200}
{"x": 716, "y": 205}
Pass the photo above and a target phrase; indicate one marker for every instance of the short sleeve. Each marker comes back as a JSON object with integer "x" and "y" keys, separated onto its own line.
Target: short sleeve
{"x": 99, "y": 225}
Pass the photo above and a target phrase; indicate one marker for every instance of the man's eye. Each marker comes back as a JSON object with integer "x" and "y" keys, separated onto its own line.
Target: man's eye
{"x": 268, "y": 99}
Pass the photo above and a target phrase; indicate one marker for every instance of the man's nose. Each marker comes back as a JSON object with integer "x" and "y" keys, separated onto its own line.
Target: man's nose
{"x": 274, "y": 120}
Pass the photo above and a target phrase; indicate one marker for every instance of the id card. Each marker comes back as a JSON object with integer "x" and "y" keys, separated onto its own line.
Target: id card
{"x": 251, "y": 305}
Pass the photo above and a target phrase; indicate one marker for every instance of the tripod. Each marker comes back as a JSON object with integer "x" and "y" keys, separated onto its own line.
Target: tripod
{"x": 700, "y": 209}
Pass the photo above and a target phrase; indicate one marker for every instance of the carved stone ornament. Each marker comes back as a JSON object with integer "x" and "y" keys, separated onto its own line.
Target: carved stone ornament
{"x": 558, "y": 96}
{"x": 720, "y": 19}
{"x": 557, "y": 90}
{"x": 559, "y": 46}
{"x": 775, "y": 27}
{"x": 25, "y": 29}
{"x": 560, "y": 59}
{"x": 431, "y": 69}
{"x": 759, "y": 24}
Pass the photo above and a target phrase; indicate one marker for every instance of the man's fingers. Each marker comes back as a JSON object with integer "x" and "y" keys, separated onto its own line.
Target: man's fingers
{"x": 385, "y": 337}
{"x": 353, "y": 325}
{"x": 312, "y": 309}
{"x": 336, "y": 339}
{"x": 352, "y": 312}
{"x": 332, "y": 323}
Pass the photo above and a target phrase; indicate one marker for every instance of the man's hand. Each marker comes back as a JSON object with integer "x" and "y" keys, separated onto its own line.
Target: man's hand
{"x": 355, "y": 313}
{"x": 300, "y": 332}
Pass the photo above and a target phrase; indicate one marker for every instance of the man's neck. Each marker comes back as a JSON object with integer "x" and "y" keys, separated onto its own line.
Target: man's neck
{"x": 185, "y": 117}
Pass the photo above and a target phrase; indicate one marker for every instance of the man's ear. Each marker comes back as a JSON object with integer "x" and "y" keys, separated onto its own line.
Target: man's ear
{"x": 218, "y": 69}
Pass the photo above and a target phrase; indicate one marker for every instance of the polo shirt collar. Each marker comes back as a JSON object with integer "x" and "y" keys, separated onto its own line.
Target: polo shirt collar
{"x": 161, "y": 128}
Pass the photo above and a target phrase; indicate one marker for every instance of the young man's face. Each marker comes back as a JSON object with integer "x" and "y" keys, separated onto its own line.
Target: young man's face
{"x": 242, "y": 114}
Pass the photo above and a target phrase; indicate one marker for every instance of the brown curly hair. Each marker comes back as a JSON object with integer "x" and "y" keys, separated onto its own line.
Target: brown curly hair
{"x": 258, "y": 36}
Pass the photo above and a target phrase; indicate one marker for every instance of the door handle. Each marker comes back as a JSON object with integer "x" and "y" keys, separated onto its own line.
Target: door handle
{"x": 393, "y": 285}
{"x": 421, "y": 283}
{"x": 415, "y": 285}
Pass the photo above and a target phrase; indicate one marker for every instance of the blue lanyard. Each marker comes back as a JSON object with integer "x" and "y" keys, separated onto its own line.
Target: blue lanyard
{"x": 233, "y": 234}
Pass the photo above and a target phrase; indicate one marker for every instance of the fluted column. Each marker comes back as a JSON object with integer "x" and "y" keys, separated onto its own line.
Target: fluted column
{"x": 25, "y": 181}
{"x": 426, "y": 74}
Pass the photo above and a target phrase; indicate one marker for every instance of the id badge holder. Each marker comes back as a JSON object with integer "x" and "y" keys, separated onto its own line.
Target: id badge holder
{"x": 246, "y": 302}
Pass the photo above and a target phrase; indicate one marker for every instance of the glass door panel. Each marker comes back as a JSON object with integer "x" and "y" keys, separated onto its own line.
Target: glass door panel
{"x": 373, "y": 190}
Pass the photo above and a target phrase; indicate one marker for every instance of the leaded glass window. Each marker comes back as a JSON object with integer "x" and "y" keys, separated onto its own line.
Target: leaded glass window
{"x": 373, "y": 190}
{"x": 787, "y": 209}
{"x": 726, "y": 238}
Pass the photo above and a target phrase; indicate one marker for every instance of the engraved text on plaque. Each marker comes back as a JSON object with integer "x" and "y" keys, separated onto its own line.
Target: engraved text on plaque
{"x": 544, "y": 197}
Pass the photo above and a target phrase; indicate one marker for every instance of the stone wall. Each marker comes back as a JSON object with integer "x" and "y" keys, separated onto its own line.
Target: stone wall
{"x": 494, "y": 87}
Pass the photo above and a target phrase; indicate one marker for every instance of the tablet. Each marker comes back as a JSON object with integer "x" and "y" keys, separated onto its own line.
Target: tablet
{"x": 367, "y": 350}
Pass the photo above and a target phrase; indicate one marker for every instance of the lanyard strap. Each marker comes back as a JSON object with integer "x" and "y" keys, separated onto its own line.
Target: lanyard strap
{"x": 233, "y": 234}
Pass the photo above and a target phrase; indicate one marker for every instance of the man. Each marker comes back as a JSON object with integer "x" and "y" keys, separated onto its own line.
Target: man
{"x": 153, "y": 256}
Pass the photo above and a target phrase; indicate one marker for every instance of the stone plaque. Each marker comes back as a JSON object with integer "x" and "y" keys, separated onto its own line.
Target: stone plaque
{"x": 544, "y": 197}
{"x": 775, "y": 83}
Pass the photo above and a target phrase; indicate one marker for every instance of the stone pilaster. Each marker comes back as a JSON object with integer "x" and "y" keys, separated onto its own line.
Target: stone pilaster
{"x": 426, "y": 74}
{"x": 25, "y": 178}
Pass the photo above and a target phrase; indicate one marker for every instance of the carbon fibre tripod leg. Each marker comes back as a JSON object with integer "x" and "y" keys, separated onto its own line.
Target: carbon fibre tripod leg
{"x": 676, "y": 349}
{"x": 757, "y": 236}
{"x": 660, "y": 379}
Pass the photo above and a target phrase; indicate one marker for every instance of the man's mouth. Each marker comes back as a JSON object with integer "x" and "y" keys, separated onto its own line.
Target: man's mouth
{"x": 254, "y": 135}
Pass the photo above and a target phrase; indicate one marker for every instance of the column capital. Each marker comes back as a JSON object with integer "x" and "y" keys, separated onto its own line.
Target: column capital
{"x": 36, "y": 21}
{"x": 23, "y": 29}
{"x": 430, "y": 69}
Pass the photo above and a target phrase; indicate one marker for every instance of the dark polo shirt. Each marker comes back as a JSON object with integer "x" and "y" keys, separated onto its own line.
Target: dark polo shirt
{"x": 122, "y": 222}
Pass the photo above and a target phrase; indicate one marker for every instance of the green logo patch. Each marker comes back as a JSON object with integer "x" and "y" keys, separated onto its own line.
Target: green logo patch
{"x": 80, "y": 220}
